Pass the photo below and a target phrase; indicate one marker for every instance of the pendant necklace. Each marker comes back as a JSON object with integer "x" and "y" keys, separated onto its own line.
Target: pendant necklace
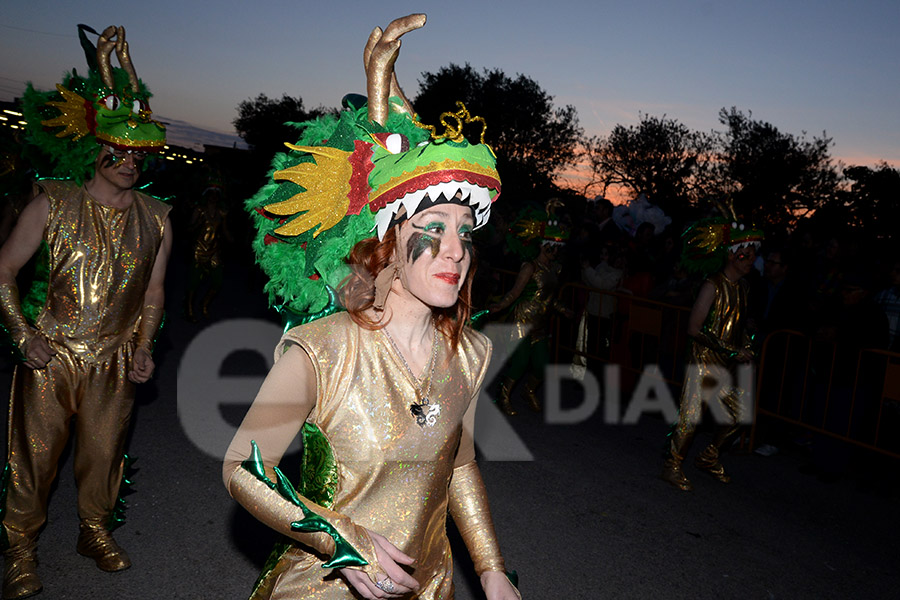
{"x": 425, "y": 412}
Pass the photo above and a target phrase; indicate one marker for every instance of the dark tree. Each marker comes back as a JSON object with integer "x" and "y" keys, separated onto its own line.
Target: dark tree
{"x": 774, "y": 177}
{"x": 265, "y": 124}
{"x": 872, "y": 202}
{"x": 659, "y": 157}
{"x": 534, "y": 141}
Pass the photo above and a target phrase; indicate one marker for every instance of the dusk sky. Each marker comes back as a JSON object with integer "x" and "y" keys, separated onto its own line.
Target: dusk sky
{"x": 804, "y": 66}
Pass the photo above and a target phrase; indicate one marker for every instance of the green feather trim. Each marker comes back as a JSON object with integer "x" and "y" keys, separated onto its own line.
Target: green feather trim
{"x": 302, "y": 268}
{"x": 71, "y": 159}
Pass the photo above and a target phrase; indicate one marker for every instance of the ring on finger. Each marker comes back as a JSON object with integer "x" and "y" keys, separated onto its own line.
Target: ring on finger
{"x": 385, "y": 585}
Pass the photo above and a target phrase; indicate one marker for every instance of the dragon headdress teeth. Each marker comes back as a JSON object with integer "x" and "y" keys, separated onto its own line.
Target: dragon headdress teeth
{"x": 360, "y": 172}
{"x": 110, "y": 105}
{"x": 741, "y": 236}
{"x": 478, "y": 198}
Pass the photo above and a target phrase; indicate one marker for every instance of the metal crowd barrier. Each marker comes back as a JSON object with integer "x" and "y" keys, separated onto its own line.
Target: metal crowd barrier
{"x": 631, "y": 331}
{"x": 844, "y": 393}
{"x": 636, "y": 332}
{"x": 847, "y": 394}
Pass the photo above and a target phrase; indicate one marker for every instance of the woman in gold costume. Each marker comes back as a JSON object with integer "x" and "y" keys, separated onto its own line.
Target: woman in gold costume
{"x": 383, "y": 394}
{"x": 355, "y": 379}
{"x": 532, "y": 297}
{"x": 719, "y": 341}
{"x": 210, "y": 233}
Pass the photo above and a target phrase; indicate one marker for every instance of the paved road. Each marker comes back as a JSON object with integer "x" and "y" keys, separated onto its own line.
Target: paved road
{"x": 587, "y": 518}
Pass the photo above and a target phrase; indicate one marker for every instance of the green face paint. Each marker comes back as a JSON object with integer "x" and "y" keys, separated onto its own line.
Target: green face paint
{"x": 465, "y": 235}
{"x": 420, "y": 242}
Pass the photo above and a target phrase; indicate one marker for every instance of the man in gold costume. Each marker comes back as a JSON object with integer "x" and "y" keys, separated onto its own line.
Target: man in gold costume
{"x": 719, "y": 342}
{"x": 106, "y": 247}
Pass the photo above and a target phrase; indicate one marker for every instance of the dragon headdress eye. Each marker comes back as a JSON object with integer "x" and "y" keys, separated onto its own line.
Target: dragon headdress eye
{"x": 395, "y": 143}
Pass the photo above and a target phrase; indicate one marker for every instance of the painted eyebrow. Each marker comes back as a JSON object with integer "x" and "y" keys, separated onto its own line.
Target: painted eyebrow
{"x": 445, "y": 215}
{"x": 437, "y": 213}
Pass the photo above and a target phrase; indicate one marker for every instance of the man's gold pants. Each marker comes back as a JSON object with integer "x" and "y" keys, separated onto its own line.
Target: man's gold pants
{"x": 42, "y": 404}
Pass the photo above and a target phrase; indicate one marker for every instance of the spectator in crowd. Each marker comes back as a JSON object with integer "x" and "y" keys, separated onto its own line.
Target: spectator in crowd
{"x": 210, "y": 233}
{"x": 845, "y": 393}
{"x": 857, "y": 321}
{"x": 596, "y": 321}
{"x": 678, "y": 288}
{"x": 827, "y": 271}
{"x": 889, "y": 301}
{"x": 605, "y": 231}
{"x": 776, "y": 298}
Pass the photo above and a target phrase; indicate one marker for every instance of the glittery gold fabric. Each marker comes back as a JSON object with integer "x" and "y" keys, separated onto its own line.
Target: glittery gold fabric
{"x": 472, "y": 515}
{"x": 721, "y": 337}
{"x": 723, "y": 332}
{"x": 531, "y": 311}
{"x": 42, "y": 403}
{"x": 392, "y": 474}
{"x": 150, "y": 320}
{"x": 207, "y": 244}
{"x": 100, "y": 261}
{"x": 13, "y": 319}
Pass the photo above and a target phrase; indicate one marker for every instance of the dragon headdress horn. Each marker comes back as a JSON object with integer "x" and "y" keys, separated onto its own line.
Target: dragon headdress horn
{"x": 379, "y": 57}
{"x": 114, "y": 37}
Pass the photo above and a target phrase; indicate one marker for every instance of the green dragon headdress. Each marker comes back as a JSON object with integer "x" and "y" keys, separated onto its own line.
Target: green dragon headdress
{"x": 110, "y": 106}
{"x": 534, "y": 224}
{"x": 356, "y": 174}
{"x": 534, "y": 228}
{"x": 708, "y": 241}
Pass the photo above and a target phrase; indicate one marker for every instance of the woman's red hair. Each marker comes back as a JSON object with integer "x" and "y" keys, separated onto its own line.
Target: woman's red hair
{"x": 367, "y": 259}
